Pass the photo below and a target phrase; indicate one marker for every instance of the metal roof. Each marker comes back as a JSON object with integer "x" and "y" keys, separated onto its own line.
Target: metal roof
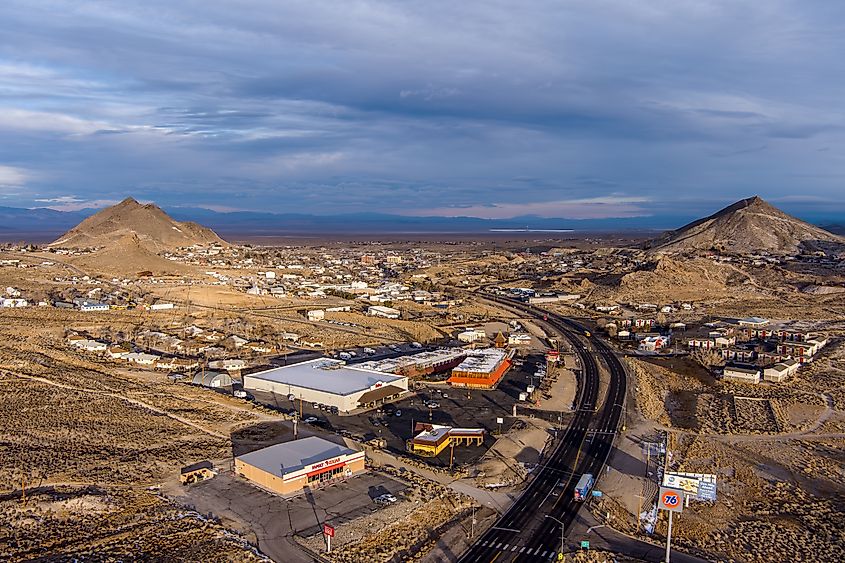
{"x": 325, "y": 374}
{"x": 294, "y": 455}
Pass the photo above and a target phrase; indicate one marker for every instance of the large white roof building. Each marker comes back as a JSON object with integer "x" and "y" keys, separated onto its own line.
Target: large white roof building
{"x": 330, "y": 382}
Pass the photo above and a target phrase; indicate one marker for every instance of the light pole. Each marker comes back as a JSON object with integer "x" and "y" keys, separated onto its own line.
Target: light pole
{"x": 562, "y": 531}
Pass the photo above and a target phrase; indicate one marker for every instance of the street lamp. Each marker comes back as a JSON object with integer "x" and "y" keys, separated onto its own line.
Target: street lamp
{"x": 562, "y": 531}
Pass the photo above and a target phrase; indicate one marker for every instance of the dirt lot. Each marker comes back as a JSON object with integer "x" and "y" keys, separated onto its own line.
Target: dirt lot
{"x": 111, "y": 524}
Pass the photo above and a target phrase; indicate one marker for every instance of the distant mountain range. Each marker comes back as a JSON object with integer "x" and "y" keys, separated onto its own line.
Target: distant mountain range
{"x": 46, "y": 224}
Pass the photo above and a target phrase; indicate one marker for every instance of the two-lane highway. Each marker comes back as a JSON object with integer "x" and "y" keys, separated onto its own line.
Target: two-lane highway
{"x": 529, "y": 529}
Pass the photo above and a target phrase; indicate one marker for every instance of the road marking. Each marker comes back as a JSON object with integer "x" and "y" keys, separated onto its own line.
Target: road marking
{"x": 523, "y": 549}
{"x": 545, "y": 553}
{"x": 505, "y": 548}
{"x": 499, "y": 545}
{"x": 484, "y": 544}
{"x": 514, "y": 548}
{"x": 495, "y": 557}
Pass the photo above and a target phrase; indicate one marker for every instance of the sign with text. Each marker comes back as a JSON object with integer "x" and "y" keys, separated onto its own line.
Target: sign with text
{"x": 328, "y": 530}
{"x": 705, "y": 490}
{"x": 670, "y": 499}
{"x": 686, "y": 484}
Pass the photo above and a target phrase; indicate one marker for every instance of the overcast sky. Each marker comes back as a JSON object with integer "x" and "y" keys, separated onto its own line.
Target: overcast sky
{"x": 566, "y": 108}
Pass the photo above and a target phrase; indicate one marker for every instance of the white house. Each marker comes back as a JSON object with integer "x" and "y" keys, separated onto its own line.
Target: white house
{"x": 14, "y": 303}
{"x": 472, "y": 335}
{"x": 781, "y": 370}
{"x": 741, "y": 375}
{"x": 141, "y": 358}
{"x": 316, "y": 315}
{"x": 384, "y": 312}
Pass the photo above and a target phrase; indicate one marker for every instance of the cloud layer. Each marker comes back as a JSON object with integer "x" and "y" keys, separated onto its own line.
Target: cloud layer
{"x": 578, "y": 109}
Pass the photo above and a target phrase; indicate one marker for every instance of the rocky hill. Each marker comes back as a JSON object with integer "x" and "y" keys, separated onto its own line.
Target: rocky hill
{"x": 749, "y": 225}
{"x": 152, "y": 227}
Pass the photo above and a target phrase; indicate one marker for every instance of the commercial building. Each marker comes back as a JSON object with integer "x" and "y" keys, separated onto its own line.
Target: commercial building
{"x": 288, "y": 468}
{"x": 431, "y": 439}
{"x": 418, "y": 365}
{"x": 482, "y": 368}
{"x": 329, "y": 382}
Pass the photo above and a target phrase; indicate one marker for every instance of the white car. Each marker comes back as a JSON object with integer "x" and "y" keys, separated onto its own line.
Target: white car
{"x": 311, "y": 420}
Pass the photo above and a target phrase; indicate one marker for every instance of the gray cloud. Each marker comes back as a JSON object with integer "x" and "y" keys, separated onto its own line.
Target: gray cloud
{"x": 336, "y": 106}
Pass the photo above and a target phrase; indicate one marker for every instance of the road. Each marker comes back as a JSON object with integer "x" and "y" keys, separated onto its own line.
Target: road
{"x": 529, "y": 530}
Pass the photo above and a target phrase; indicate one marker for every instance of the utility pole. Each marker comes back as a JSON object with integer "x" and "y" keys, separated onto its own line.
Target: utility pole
{"x": 562, "y": 531}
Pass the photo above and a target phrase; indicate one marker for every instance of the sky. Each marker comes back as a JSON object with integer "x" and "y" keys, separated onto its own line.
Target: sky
{"x": 573, "y": 109}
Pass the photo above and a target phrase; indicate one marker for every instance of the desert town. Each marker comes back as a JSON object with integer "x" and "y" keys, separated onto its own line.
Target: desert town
{"x": 349, "y": 401}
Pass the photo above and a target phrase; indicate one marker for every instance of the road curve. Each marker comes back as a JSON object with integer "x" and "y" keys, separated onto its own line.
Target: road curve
{"x": 528, "y": 531}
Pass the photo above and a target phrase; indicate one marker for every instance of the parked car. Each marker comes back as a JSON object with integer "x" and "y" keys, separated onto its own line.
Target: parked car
{"x": 399, "y": 413}
{"x": 311, "y": 420}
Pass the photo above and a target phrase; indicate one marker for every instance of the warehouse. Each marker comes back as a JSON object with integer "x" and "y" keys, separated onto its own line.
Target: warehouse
{"x": 481, "y": 369}
{"x": 288, "y": 468}
{"x": 329, "y": 382}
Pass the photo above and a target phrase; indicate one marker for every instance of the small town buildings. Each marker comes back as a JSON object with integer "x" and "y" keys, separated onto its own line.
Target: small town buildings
{"x": 384, "y": 312}
{"x": 288, "y": 468}
{"x": 739, "y": 374}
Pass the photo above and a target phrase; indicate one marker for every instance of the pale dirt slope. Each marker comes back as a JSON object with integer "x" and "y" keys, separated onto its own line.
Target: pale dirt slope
{"x": 748, "y": 226}
{"x": 152, "y": 227}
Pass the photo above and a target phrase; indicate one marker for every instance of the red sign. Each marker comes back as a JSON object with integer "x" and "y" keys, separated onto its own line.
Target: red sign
{"x": 328, "y": 530}
{"x": 320, "y": 465}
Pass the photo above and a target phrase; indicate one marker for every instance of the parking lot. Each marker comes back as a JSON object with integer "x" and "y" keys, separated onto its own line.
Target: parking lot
{"x": 275, "y": 520}
{"x": 455, "y": 407}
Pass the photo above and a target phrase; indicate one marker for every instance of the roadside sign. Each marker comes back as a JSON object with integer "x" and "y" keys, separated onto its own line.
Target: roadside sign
{"x": 706, "y": 489}
{"x": 585, "y": 544}
{"x": 500, "y": 420}
{"x": 596, "y": 493}
{"x": 670, "y": 499}
{"x": 328, "y": 530}
{"x": 687, "y": 484}
{"x": 560, "y": 556}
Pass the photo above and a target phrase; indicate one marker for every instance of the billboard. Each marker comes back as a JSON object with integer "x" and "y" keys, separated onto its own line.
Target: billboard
{"x": 703, "y": 489}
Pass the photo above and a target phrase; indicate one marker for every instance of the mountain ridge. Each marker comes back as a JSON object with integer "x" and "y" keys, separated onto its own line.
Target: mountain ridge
{"x": 746, "y": 226}
{"x": 151, "y": 225}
